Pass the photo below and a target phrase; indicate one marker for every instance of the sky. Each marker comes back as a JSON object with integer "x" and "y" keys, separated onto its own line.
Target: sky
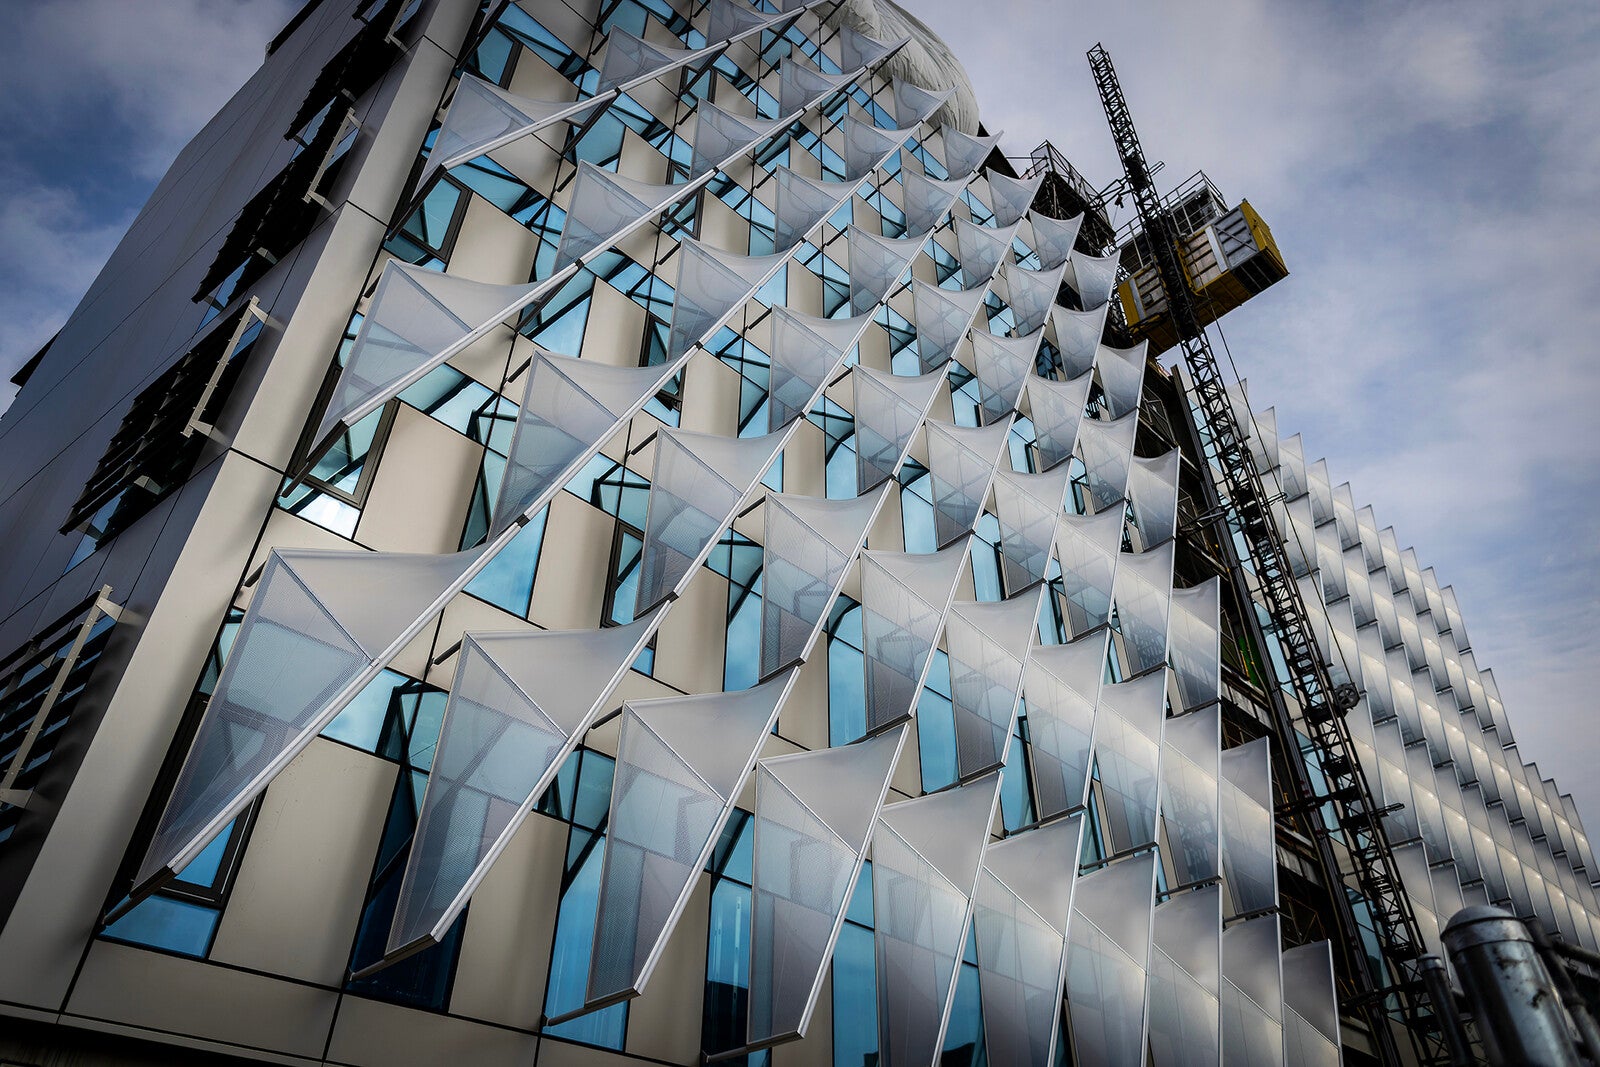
{"x": 1430, "y": 170}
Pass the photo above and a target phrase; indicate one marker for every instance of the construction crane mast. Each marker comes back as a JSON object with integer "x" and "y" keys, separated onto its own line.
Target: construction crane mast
{"x": 1337, "y": 802}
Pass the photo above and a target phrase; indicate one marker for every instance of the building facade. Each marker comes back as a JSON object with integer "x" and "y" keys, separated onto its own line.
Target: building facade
{"x": 634, "y": 533}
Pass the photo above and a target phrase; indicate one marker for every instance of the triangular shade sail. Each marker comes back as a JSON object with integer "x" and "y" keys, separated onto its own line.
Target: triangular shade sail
{"x": 808, "y": 545}
{"x": 988, "y": 645}
{"x": 730, "y": 18}
{"x": 806, "y": 352}
{"x": 1195, "y": 642}
{"x": 1143, "y": 593}
{"x": 1078, "y": 336}
{"x": 1092, "y": 278}
{"x": 904, "y": 600}
{"x": 1252, "y": 992}
{"x": 630, "y": 59}
{"x": 1249, "y": 855}
{"x": 866, "y": 147}
{"x": 802, "y": 204}
{"x": 720, "y": 136}
{"x": 1190, "y": 794}
{"x": 416, "y": 320}
{"x": 1185, "y": 980}
{"x": 604, "y": 206}
{"x": 814, "y": 818}
{"x": 961, "y": 463}
{"x": 1020, "y": 913}
{"x": 1121, "y": 376}
{"x": 800, "y": 85}
{"x": 1056, "y": 409}
{"x": 681, "y": 764}
{"x": 964, "y": 153}
{"x": 858, "y": 50}
{"x": 927, "y": 200}
{"x": 1153, "y": 495}
{"x": 711, "y": 285}
{"x": 1029, "y": 507}
{"x": 1031, "y": 294}
{"x": 319, "y": 626}
{"x": 981, "y": 249}
{"x": 482, "y": 117}
{"x": 569, "y": 407}
{"x": 1264, "y": 439}
{"x": 888, "y": 410}
{"x": 913, "y": 103}
{"x": 1053, "y": 238}
{"x": 925, "y": 858}
{"x": 1088, "y": 547}
{"x": 1311, "y": 1007}
{"x": 942, "y": 317}
{"x": 876, "y": 264}
{"x": 1010, "y": 198}
{"x": 699, "y": 482}
{"x": 1062, "y": 683}
{"x": 1127, "y": 755}
{"x": 1107, "y": 954}
{"x": 1106, "y": 449}
{"x": 519, "y": 704}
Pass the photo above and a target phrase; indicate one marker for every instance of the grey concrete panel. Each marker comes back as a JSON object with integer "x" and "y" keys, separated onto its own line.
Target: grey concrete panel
{"x": 373, "y": 1034}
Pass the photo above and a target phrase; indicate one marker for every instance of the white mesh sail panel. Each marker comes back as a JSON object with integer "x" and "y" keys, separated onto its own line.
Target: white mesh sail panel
{"x": 800, "y": 85}
{"x": 681, "y": 764}
{"x": 802, "y": 204}
{"x": 1127, "y": 755}
{"x": 1088, "y": 547}
{"x": 876, "y": 264}
{"x": 1078, "y": 336}
{"x": 1019, "y": 918}
{"x": 1056, "y": 409}
{"x": 1249, "y": 855}
{"x": 630, "y": 60}
{"x": 730, "y": 18}
{"x": 913, "y": 103}
{"x": 1062, "y": 684}
{"x": 720, "y": 136}
{"x": 1106, "y": 449}
{"x": 1002, "y": 365}
{"x": 416, "y": 320}
{"x": 1053, "y": 238}
{"x": 1031, "y": 294}
{"x": 1121, "y": 373}
{"x": 1252, "y": 993}
{"x": 1186, "y": 979}
{"x": 569, "y": 407}
{"x": 925, "y": 857}
{"x": 1092, "y": 278}
{"x": 888, "y": 410}
{"x": 858, "y": 50}
{"x": 482, "y": 117}
{"x": 1311, "y": 1007}
{"x": 981, "y": 249}
{"x": 1010, "y": 198}
{"x": 1153, "y": 495}
{"x": 1143, "y": 593}
{"x": 699, "y": 481}
{"x": 604, "y": 206}
{"x": 318, "y": 620}
{"x": 964, "y": 153}
{"x": 806, "y": 353}
{"x": 942, "y": 317}
{"x": 927, "y": 200}
{"x": 1107, "y": 953}
{"x": 1191, "y": 798}
{"x": 814, "y": 818}
{"x": 866, "y": 148}
{"x": 961, "y": 463}
{"x": 1029, "y": 506}
{"x": 1194, "y": 642}
{"x": 988, "y": 644}
{"x": 518, "y": 705}
{"x": 904, "y": 600}
{"x": 807, "y": 546}
{"x": 711, "y": 285}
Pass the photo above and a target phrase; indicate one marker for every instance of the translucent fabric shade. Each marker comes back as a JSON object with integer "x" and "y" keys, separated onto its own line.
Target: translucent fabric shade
{"x": 712, "y": 284}
{"x": 415, "y": 321}
{"x": 1194, "y": 643}
{"x": 802, "y": 204}
{"x": 876, "y": 264}
{"x": 927, "y": 200}
{"x": 1020, "y": 912}
{"x": 1311, "y": 1007}
{"x": 1062, "y": 685}
{"x": 807, "y": 548}
{"x": 1078, "y": 336}
{"x": 1185, "y": 980}
{"x": 1028, "y": 506}
{"x": 569, "y": 407}
{"x": 1003, "y": 366}
{"x": 859, "y": 50}
{"x": 1088, "y": 547}
{"x": 1143, "y": 593}
{"x": 987, "y": 645}
{"x": 1121, "y": 373}
{"x": 806, "y": 353}
{"x": 800, "y": 85}
{"x": 925, "y": 858}
{"x": 483, "y": 116}
{"x": 814, "y": 817}
{"x": 888, "y": 410}
{"x": 1191, "y": 794}
{"x": 914, "y": 104}
{"x": 1153, "y": 495}
{"x": 518, "y": 705}
{"x": 866, "y": 147}
{"x": 1127, "y": 755}
{"x": 1106, "y": 449}
{"x": 699, "y": 482}
{"x": 1249, "y": 855}
{"x": 681, "y": 764}
{"x": 981, "y": 249}
{"x": 942, "y": 317}
{"x": 605, "y": 206}
{"x": 730, "y": 18}
{"x": 904, "y": 600}
{"x": 318, "y": 621}
{"x": 720, "y": 136}
{"x": 1031, "y": 294}
{"x": 964, "y": 153}
{"x": 1107, "y": 957}
{"x": 961, "y": 463}
{"x": 1093, "y": 278}
{"x": 1057, "y": 410}
{"x": 1252, "y": 993}
{"x": 630, "y": 59}
{"x": 1010, "y": 198}
{"x": 1053, "y": 238}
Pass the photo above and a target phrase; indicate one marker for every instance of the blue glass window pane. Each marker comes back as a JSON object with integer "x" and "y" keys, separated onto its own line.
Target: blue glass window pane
{"x": 507, "y": 582}
{"x": 165, "y": 923}
{"x": 360, "y": 724}
{"x": 593, "y": 800}
{"x": 855, "y": 998}
{"x": 574, "y": 942}
{"x": 936, "y": 727}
